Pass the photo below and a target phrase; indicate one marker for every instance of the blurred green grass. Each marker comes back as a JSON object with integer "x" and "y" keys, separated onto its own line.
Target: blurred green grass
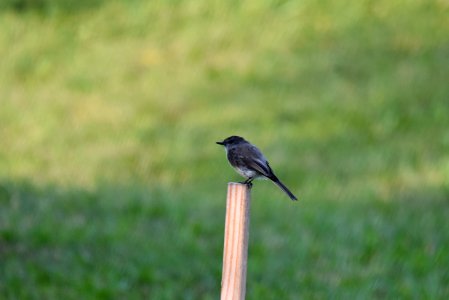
{"x": 111, "y": 185}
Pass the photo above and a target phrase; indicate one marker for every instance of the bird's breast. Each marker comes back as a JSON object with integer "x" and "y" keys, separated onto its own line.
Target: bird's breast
{"x": 245, "y": 172}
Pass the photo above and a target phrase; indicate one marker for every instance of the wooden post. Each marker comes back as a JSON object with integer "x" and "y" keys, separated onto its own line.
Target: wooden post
{"x": 235, "y": 253}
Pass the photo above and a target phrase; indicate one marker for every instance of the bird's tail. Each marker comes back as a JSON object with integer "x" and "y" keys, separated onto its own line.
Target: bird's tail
{"x": 283, "y": 187}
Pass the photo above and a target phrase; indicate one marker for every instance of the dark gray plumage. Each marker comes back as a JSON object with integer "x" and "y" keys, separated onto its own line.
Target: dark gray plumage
{"x": 249, "y": 162}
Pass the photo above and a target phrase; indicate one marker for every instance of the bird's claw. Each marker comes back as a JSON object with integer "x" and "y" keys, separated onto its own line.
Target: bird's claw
{"x": 248, "y": 183}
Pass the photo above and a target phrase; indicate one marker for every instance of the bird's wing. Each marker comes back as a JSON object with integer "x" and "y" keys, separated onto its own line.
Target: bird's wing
{"x": 260, "y": 167}
{"x": 257, "y": 161}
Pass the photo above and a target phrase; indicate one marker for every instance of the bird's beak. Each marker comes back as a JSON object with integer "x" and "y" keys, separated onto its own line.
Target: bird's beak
{"x": 220, "y": 143}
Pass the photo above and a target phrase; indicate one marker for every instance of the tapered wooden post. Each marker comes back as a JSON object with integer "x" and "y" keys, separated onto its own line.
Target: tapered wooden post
{"x": 235, "y": 253}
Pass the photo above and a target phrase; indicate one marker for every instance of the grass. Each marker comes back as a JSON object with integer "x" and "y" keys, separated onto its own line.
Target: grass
{"x": 120, "y": 242}
{"x": 111, "y": 185}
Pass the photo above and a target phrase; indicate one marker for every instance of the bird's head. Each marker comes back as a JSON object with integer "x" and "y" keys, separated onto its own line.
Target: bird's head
{"x": 232, "y": 140}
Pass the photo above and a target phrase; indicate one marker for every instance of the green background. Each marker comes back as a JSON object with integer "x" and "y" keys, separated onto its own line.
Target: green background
{"x": 112, "y": 186}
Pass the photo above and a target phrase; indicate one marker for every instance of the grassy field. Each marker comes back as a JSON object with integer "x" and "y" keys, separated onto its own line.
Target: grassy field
{"x": 112, "y": 186}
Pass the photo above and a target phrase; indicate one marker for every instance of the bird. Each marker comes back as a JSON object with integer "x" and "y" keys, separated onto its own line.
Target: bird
{"x": 249, "y": 162}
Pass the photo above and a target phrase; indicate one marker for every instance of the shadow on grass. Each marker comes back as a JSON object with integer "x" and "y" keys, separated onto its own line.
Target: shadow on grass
{"x": 137, "y": 242}
{"x": 111, "y": 242}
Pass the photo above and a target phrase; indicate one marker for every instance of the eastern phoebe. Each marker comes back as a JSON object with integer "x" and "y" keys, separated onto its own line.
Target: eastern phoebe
{"x": 249, "y": 162}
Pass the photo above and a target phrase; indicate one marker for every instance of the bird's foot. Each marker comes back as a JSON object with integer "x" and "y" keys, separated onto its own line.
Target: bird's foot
{"x": 248, "y": 183}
